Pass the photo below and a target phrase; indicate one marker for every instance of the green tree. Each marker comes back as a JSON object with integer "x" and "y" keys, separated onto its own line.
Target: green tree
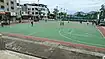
{"x": 102, "y": 13}
{"x": 56, "y": 11}
{"x": 48, "y": 14}
{"x": 80, "y": 14}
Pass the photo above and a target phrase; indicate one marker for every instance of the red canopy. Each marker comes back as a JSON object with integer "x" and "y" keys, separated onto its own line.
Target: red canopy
{"x": 2, "y": 13}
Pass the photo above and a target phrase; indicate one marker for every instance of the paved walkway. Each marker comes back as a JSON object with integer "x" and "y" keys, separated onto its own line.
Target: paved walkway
{"x": 13, "y": 55}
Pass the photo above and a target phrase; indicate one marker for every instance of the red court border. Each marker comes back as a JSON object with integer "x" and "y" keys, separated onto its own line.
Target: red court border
{"x": 93, "y": 48}
{"x": 102, "y": 30}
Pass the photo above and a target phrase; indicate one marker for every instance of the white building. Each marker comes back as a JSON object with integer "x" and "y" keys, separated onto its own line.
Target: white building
{"x": 36, "y": 10}
{"x": 19, "y": 11}
{"x": 1, "y": 4}
{"x": 1, "y": 9}
{"x": 11, "y": 6}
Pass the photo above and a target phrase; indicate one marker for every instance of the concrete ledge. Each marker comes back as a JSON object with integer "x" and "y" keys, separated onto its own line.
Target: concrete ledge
{"x": 2, "y": 43}
{"x": 58, "y": 46}
{"x": 14, "y": 55}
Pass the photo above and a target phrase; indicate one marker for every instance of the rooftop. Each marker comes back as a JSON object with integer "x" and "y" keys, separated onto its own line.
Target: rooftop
{"x": 35, "y": 4}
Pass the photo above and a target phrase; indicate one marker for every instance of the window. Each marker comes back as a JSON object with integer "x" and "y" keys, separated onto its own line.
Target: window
{"x": 32, "y": 8}
{"x": 12, "y": 2}
{"x": 42, "y": 5}
{"x": 36, "y": 4}
{"x": 32, "y": 12}
{"x": 7, "y": 9}
{"x": 2, "y": 0}
{"x": 36, "y": 8}
{"x": 24, "y": 4}
{"x": 17, "y": 4}
{"x": 36, "y": 12}
{"x": 22, "y": 12}
{"x": 12, "y": 7}
{"x": 43, "y": 9}
{"x": 28, "y": 12}
{"x": 7, "y": 3}
{"x": 2, "y": 7}
{"x": 29, "y": 9}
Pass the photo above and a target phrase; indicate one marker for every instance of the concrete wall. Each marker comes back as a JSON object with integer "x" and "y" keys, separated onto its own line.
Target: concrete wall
{"x": 2, "y": 44}
{"x": 1, "y": 4}
{"x": 14, "y": 5}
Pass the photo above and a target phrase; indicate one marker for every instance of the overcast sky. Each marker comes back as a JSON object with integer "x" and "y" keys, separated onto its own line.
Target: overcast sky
{"x": 71, "y": 5}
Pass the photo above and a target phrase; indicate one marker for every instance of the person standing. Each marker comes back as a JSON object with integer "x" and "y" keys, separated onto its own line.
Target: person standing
{"x": 87, "y": 22}
{"x": 81, "y": 21}
{"x": 62, "y": 23}
{"x": 32, "y": 23}
{"x": 2, "y": 23}
{"x": 93, "y": 22}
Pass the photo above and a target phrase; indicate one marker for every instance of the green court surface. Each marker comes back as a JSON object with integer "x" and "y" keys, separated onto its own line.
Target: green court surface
{"x": 71, "y": 32}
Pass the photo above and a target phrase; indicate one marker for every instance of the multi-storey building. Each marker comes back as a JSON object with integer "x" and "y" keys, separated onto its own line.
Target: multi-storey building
{"x": 11, "y": 6}
{"x": 8, "y": 8}
{"x": 1, "y": 9}
{"x": 36, "y": 10}
{"x": 19, "y": 10}
{"x": 1, "y": 4}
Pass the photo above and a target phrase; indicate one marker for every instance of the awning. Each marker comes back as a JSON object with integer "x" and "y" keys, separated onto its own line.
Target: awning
{"x": 2, "y": 13}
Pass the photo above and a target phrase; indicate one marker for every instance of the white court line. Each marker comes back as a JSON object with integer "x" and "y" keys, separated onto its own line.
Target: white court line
{"x": 88, "y": 35}
{"x": 31, "y": 33}
{"x": 76, "y": 34}
{"x": 70, "y": 31}
{"x": 82, "y": 35}
{"x": 99, "y": 31}
{"x": 78, "y": 40}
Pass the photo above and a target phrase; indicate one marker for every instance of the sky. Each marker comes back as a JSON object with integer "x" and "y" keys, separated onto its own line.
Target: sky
{"x": 71, "y": 6}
